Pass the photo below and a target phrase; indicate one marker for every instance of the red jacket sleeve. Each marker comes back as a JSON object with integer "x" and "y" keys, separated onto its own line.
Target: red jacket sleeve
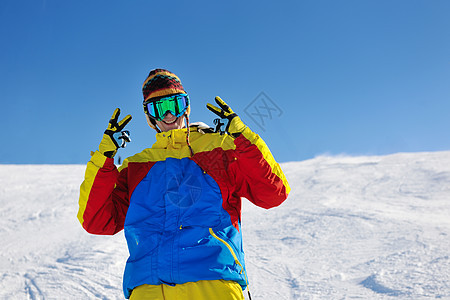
{"x": 259, "y": 177}
{"x": 104, "y": 200}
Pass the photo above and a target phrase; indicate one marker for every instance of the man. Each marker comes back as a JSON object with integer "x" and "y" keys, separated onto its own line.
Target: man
{"x": 180, "y": 200}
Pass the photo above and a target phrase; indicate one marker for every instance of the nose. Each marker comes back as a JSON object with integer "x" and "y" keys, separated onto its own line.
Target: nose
{"x": 169, "y": 117}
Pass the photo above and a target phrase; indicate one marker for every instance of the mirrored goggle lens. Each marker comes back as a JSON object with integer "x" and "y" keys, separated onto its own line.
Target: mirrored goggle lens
{"x": 176, "y": 105}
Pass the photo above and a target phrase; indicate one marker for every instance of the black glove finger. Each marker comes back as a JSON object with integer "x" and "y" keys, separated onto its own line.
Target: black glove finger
{"x": 222, "y": 104}
{"x": 216, "y": 110}
{"x": 124, "y": 122}
{"x": 115, "y": 116}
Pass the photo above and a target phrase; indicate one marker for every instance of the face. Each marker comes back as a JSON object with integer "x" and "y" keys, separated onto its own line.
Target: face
{"x": 171, "y": 122}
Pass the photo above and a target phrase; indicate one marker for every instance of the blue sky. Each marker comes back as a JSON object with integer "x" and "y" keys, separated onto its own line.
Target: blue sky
{"x": 354, "y": 77}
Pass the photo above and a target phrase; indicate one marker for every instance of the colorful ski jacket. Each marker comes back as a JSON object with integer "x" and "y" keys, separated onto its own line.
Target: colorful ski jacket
{"x": 181, "y": 213}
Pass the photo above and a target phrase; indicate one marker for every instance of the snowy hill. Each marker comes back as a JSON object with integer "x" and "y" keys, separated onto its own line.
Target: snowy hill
{"x": 352, "y": 228}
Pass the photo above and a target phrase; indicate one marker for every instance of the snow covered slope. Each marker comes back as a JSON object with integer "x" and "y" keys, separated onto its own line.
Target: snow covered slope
{"x": 352, "y": 228}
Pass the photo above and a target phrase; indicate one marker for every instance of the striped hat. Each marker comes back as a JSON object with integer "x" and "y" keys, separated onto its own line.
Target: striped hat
{"x": 161, "y": 83}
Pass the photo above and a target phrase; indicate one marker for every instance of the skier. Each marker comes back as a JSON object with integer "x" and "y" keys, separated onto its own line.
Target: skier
{"x": 179, "y": 202}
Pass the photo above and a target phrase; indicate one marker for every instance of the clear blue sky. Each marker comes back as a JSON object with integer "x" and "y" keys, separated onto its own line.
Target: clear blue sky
{"x": 354, "y": 77}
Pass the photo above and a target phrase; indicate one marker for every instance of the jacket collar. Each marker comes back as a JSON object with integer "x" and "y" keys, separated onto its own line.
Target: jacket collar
{"x": 175, "y": 138}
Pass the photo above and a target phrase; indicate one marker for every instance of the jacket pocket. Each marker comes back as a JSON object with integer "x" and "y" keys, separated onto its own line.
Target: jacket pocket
{"x": 236, "y": 260}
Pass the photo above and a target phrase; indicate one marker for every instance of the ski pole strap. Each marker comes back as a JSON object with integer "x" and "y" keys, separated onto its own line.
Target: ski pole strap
{"x": 121, "y": 138}
{"x": 221, "y": 125}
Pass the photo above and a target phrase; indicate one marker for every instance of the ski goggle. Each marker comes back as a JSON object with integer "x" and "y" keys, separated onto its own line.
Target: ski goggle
{"x": 158, "y": 108}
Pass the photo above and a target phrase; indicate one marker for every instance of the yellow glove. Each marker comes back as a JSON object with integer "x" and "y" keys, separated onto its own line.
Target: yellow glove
{"x": 114, "y": 138}
{"x": 233, "y": 124}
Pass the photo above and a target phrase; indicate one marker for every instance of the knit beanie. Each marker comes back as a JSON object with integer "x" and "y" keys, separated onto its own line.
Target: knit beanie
{"x": 159, "y": 83}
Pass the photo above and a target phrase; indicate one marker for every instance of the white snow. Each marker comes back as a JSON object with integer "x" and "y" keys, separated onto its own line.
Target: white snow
{"x": 374, "y": 227}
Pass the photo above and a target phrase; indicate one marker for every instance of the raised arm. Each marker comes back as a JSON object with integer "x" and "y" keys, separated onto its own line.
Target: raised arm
{"x": 104, "y": 199}
{"x": 259, "y": 177}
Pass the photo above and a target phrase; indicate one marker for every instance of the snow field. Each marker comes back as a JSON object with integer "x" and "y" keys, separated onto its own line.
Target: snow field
{"x": 374, "y": 227}
{"x": 355, "y": 228}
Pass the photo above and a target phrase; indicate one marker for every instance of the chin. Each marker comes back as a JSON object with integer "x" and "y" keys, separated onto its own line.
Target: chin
{"x": 175, "y": 126}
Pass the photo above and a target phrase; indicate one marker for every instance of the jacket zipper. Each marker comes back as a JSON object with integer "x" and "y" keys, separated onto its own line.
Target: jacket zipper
{"x": 236, "y": 260}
